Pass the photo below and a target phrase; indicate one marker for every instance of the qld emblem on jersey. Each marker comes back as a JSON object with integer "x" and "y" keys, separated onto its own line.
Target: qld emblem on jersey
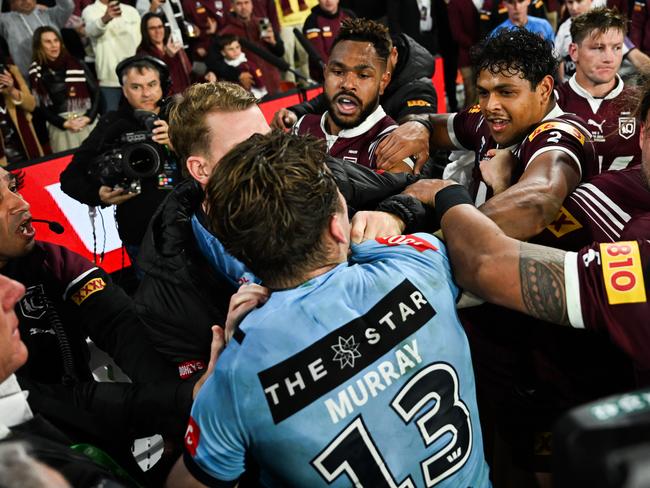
{"x": 626, "y": 127}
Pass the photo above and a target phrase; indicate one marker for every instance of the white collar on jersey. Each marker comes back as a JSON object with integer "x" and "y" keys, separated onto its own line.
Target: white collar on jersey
{"x": 556, "y": 111}
{"x": 14, "y": 409}
{"x": 362, "y": 128}
{"x": 594, "y": 102}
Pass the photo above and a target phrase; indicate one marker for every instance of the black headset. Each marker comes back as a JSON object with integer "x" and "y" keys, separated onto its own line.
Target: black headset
{"x": 160, "y": 66}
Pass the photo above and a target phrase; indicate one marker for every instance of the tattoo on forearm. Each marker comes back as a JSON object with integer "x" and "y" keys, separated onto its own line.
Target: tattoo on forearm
{"x": 541, "y": 271}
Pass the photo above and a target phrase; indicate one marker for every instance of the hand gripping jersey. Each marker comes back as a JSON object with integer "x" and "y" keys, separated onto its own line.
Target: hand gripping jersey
{"x": 558, "y": 131}
{"x": 607, "y": 290}
{"x": 603, "y": 210}
{"x": 360, "y": 376}
{"x": 357, "y": 144}
{"x": 610, "y": 120}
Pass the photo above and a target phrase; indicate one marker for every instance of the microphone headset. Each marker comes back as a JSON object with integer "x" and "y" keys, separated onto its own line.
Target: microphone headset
{"x": 51, "y": 224}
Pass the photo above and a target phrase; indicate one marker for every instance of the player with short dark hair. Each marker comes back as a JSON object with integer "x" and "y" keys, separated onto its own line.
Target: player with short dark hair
{"x": 334, "y": 379}
{"x": 355, "y": 76}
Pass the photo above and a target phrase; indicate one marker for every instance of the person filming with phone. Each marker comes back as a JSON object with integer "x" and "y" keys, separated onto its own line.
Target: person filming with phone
{"x": 127, "y": 160}
{"x": 257, "y": 30}
{"x": 114, "y": 31}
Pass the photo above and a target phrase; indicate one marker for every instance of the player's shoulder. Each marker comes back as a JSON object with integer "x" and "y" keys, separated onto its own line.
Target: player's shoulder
{"x": 400, "y": 248}
{"x": 565, "y": 124}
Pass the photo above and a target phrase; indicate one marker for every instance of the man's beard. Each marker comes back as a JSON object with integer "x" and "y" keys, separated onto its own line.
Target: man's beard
{"x": 363, "y": 115}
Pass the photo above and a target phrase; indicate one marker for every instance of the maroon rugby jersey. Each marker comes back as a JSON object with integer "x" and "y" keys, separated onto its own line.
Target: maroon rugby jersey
{"x": 601, "y": 210}
{"x": 557, "y": 131}
{"x": 607, "y": 290}
{"x": 357, "y": 144}
{"x": 614, "y": 129}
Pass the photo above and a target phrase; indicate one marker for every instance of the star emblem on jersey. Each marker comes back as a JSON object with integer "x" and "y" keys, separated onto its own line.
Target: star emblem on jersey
{"x": 347, "y": 350}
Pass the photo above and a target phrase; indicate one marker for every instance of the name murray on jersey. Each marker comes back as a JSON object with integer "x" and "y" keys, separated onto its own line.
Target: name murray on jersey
{"x": 325, "y": 365}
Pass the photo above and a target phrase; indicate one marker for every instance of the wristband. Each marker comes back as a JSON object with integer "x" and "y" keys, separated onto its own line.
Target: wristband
{"x": 425, "y": 122}
{"x": 451, "y": 196}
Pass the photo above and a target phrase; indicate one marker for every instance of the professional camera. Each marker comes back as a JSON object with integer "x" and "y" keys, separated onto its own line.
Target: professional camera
{"x": 136, "y": 156}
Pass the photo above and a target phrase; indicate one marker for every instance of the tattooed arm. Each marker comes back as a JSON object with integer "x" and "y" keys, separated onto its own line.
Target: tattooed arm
{"x": 502, "y": 270}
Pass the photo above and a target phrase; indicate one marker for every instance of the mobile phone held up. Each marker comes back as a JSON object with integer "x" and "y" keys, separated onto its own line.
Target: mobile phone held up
{"x": 265, "y": 26}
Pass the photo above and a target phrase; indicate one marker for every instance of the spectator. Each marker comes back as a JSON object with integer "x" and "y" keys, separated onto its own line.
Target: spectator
{"x": 18, "y": 27}
{"x": 597, "y": 93}
{"x": 245, "y": 25}
{"x": 66, "y": 92}
{"x": 144, "y": 80}
{"x": 172, "y": 12}
{"x": 114, "y": 30}
{"x": 351, "y": 321}
{"x": 186, "y": 270}
{"x": 464, "y": 24}
{"x": 367, "y": 9}
{"x": 414, "y": 18}
{"x": 157, "y": 42}
{"x": 292, "y": 15}
{"x": 18, "y": 140}
{"x": 250, "y": 77}
{"x": 518, "y": 17}
{"x": 208, "y": 19}
{"x": 640, "y": 31}
{"x": 321, "y": 28}
{"x": 355, "y": 76}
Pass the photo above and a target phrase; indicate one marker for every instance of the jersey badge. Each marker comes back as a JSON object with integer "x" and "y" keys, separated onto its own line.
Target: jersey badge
{"x": 559, "y": 127}
{"x": 346, "y": 351}
{"x": 417, "y": 103}
{"x": 192, "y": 437}
{"x": 313, "y": 33}
{"x": 626, "y": 127}
{"x": 474, "y": 109}
{"x": 409, "y": 239}
{"x": 93, "y": 286}
{"x": 564, "y": 223}
{"x": 33, "y": 304}
{"x": 622, "y": 272}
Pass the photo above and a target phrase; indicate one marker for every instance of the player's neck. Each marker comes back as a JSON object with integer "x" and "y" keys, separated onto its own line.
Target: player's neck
{"x": 331, "y": 126}
{"x": 596, "y": 90}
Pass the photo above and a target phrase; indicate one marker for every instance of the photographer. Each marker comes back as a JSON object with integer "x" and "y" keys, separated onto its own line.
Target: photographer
{"x": 93, "y": 176}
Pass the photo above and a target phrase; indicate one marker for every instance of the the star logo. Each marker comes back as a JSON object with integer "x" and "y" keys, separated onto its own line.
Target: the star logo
{"x": 346, "y": 351}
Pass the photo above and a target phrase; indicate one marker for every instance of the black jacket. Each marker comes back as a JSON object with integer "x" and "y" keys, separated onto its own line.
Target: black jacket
{"x": 133, "y": 215}
{"x": 68, "y": 299}
{"x": 181, "y": 297}
{"x": 410, "y": 90}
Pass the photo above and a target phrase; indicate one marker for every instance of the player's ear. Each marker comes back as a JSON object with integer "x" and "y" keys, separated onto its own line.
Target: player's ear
{"x": 545, "y": 88}
{"x": 385, "y": 79}
{"x": 199, "y": 169}
{"x": 573, "y": 52}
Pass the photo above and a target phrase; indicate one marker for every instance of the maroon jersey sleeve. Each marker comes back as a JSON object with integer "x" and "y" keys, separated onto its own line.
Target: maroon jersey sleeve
{"x": 566, "y": 134}
{"x": 464, "y": 129}
{"x": 607, "y": 290}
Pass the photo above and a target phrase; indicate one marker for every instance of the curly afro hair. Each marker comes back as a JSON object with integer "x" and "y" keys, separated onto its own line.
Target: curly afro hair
{"x": 515, "y": 52}
{"x": 364, "y": 30}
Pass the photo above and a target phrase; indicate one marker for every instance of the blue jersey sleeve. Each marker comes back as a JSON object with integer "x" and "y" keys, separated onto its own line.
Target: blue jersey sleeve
{"x": 221, "y": 261}
{"x": 215, "y": 442}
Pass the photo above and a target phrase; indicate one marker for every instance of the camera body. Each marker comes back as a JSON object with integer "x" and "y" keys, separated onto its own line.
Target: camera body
{"x": 135, "y": 157}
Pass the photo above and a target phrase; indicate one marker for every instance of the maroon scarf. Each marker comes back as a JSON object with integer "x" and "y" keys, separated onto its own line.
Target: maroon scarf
{"x": 286, "y": 6}
{"x": 78, "y": 96}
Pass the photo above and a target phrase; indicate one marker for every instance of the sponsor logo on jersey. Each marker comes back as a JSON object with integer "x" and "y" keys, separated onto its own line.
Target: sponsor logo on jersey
{"x": 33, "y": 304}
{"x": 313, "y": 34}
{"x": 417, "y": 103}
{"x": 622, "y": 272}
{"x": 192, "y": 437}
{"x": 188, "y": 368}
{"x": 409, "y": 240}
{"x": 558, "y": 126}
{"x": 91, "y": 287}
{"x": 298, "y": 381}
{"x": 474, "y": 109}
{"x": 563, "y": 223}
{"x": 626, "y": 127}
